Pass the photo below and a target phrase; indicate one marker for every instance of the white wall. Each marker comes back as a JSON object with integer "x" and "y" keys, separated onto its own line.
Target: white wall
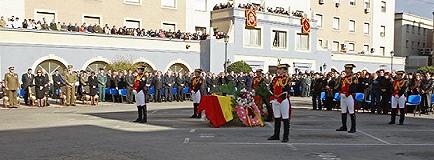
{"x": 199, "y": 18}
{"x": 10, "y": 8}
{"x": 383, "y": 19}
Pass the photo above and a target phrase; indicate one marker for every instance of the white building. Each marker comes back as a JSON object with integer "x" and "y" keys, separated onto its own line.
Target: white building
{"x": 383, "y": 13}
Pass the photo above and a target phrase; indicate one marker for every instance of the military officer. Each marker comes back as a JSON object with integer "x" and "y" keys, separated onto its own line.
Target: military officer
{"x": 196, "y": 83}
{"x": 347, "y": 89}
{"x": 102, "y": 82}
{"x": 280, "y": 88}
{"x": 12, "y": 85}
{"x": 70, "y": 79}
{"x": 139, "y": 91}
{"x": 398, "y": 98}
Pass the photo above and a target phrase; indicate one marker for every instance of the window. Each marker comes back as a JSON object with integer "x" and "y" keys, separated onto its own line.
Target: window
{"x": 352, "y": 26}
{"x": 302, "y": 41}
{"x": 412, "y": 44}
{"x": 336, "y": 23}
{"x": 319, "y": 20}
{"x": 366, "y": 28}
{"x": 383, "y": 51}
{"x": 252, "y": 37}
{"x": 320, "y": 43}
{"x": 406, "y": 43}
{"x": 424, "y": 32}
{"x": 200, "y": 5}
{"x": 91, "y": 20}
{"x": 168, "y": 3}
{"x": 132, "y": 23}
{"x": 383, "y": 31}
{"x": 418, "y": 45}
{"x": 168, "y": 27}
{"x": 49, "y": 16}
{"x": 200, "y": 29}
{"x": 137, "y": 2}
{"x": 407, "y": 28}
{"x": 423, "y": 45}
{"x": 279, "y": 39}
{"x": 383, "y": 6}
{"x": 412, "y": 30}
{"x": 352, "y": 2}
{"x": 418, "y": 30}
{"x": 350, "y": 46}
{"x": 366, "y": 48}
{"x": 335, "y": 46}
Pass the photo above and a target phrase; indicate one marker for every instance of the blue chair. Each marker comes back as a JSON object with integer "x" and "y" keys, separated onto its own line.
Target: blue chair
{"x": 414, "y": 100}
{"x": 114, "y": 92}
{"x": 174, "y": 91}
{"x": 21, "y": 92}
{"x": 123, "y": 93}
{"x": 432, "y": 103}
{"x": 360, "y": 97}
{"x": 337, "y": 97}
{"x": 107, "y": 91}
{"x": 322, "y": 96}
{"x": 151, "y": 91}
{"x": 186, "y": 90}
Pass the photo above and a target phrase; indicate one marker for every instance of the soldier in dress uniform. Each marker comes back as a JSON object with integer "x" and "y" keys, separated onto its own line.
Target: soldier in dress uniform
{"x": 398, "y": 98}
{"x": 280, "y": 87}
{"x": 102, "y": 83}
{"x": 70, "y": 79}
{"x": 346, "y": 90}
{"x": 12, "y": 85}
{"x": 196, "y": 83}
{"x": 139, "y": 91}
{"x": 261, "y": 99}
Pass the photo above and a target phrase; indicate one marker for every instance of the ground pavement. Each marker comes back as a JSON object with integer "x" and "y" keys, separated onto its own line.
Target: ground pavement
{"x": 107, "y": 133}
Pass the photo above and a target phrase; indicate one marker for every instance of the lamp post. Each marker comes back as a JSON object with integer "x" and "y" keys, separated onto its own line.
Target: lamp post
{"x": 391, "y": 61}
{"x": 324, "y": 67}
{"x": 226, "y": 39}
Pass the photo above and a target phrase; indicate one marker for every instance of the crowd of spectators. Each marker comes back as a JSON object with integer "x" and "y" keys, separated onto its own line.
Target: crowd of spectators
{"x": 257, "y": 7}
{"x": 32, "y": 24}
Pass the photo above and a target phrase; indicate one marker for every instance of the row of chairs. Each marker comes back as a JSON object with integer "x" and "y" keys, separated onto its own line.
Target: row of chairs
{"x": 412, "y": 100}
{"x": 123, "y": 92}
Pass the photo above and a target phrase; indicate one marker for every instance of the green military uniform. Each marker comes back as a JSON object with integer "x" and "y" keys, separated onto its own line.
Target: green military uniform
{"x": 70, "y": 79}
{"x": 12, "y": 85}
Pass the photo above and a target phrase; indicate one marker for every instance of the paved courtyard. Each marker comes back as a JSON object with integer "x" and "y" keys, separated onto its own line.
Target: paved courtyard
{"x": 106, "y": 132}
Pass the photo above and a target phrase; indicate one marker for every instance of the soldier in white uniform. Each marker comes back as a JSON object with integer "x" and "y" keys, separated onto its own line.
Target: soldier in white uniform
{"x": 139, "y": 90}
{"x": 398, "y": 98}
{"x": 196, "y": 83}
{"x": 347, "y": 89}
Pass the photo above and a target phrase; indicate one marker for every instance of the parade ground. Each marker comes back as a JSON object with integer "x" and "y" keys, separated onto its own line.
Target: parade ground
{"x": 106, "y": 132}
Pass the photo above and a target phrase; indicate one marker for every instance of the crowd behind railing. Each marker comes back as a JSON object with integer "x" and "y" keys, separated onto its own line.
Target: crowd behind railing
{"x": 32, "y": 24}
{"x": 259, "y": 8}
{"x": 376, "y": 87}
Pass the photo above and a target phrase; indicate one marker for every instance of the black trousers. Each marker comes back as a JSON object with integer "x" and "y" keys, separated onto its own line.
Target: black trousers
{"x": 385, "y": 97}
{"x": 316, "y": 101}
{"x": 157, "y": 96}
{"x": 26, "y": 95}
{"x": 180, "y": 96}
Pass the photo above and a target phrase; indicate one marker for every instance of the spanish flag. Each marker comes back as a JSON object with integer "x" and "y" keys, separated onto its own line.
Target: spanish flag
{"x": 218, "y": 109}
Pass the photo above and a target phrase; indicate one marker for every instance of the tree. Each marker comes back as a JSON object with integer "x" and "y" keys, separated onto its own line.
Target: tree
{"x": 426, "y": 69}
{"x": 239, "y": 66}
{"x": 122, "y": 64}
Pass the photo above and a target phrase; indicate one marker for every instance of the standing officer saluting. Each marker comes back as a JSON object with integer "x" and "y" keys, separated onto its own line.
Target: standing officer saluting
{"x": 398, "y": 98}
{"x": 139, "y": 90}
{"x": 196, "y": 84}
{"x": 347, "y": 89}
{"x": 280, "y": 87}
{"x": 12, "y": 85}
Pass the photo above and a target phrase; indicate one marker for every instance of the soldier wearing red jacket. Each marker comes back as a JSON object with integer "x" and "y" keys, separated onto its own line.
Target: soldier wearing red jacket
{"x": 281, "y": 105}
{"x": 196, "y": 83}
{"x": 398, "y": 98}
{"x": 347, "y": 89}
{"x": 139, "y": 90}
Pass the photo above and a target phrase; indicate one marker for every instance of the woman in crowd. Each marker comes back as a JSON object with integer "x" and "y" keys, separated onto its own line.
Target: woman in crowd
{"x": 93, "y": 85}
{"x": 40, "y": 84}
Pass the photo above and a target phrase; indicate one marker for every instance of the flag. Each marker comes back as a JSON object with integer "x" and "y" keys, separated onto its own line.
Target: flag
{"x": 218, "y": 109}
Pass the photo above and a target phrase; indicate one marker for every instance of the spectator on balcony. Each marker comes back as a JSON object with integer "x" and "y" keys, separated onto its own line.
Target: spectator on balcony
{"x": 32, "y": 24}
{"x": 25, "y": 24}
{"x": 97, "y": 28}
{"x": 106, "y": 29}
{"x": 89, "y": 29}
{"x": 63, "y": 27}
{"x": 45, "y": 26}
{"x": 83, "y": 28}
{"x": 53, "y": 26}
{"x": 58, "y": 26}
{"x": 113, "y": 30}
{"x": 2, "y": 22}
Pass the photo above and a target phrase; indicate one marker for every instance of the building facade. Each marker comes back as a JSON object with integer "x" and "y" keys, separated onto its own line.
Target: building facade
{"x": 413, "y": 39}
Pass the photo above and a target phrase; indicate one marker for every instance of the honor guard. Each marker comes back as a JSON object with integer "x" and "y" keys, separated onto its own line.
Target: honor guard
{"x": 347, "y": 89}
{"x": 70, "y": 79}
{"x": 12, "y": 85}
{"x": 280, "y": 88}
{"x": 139, "y": 89}
{"x": 196, "y": 83}
{"x": 398, "y": 98}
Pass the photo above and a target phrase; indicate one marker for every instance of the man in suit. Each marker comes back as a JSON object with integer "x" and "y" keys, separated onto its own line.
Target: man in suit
{"x": 158, "y": 84}
{"x": 169, "y": 81}
{"x": 12, "y": 85}
{"x": 102, "y": 82}
{"x": 27, "y": 79}
{"x": 179, "y": 83}
{"x": 130, "y": 82}
{"x": 57, "y": 82}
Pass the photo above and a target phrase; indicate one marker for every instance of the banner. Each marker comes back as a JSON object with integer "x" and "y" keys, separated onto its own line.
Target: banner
{"x": 251, "y": 18}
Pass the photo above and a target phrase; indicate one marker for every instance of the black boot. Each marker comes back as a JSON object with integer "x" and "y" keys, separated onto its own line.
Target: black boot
{"x": 145, "y": 114}
{"x": 401, "y": 116}
{"x": 194, "y": 111}
{"x": 285, "y": 130}
{"x": 344, "y": 123}
{"x": 353, "y": 123}
{"x": 276, "y": 135}
{"x": 393, "y": 116}
{"x": 139, "y": 114}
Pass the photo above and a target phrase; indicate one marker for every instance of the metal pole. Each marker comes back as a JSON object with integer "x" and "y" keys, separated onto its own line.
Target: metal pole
{"x": 226, "y": 57}
{"x": 391, "y": 63}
